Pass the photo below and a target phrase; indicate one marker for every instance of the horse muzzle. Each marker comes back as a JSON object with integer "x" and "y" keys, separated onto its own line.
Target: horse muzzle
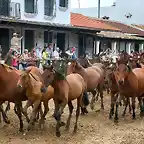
{"x": 19, "y": 86}
{"x": 120, "y": 82}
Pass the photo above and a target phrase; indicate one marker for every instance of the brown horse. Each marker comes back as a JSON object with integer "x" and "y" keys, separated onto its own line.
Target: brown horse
{"x": 93, "y": 77}
{"x": 130, "y": 84}
{"x": 9, "y": 91}
{"x": 65, "y": 90}
{"x": 25, "y": 82}
{"x": 31, "y": 81}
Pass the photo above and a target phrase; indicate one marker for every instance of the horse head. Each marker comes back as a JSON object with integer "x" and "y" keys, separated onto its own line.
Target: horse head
{"x": 122, "y": 72}
{"x": 23, "y": 79}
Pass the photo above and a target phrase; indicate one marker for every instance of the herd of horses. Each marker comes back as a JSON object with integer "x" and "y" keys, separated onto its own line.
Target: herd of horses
{"x": 123, "y": 80}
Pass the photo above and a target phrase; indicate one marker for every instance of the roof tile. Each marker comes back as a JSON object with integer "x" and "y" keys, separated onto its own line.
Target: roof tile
{"x": 84, "y": 21}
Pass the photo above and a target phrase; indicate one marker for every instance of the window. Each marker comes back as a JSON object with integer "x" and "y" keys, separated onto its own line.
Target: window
{"x": 31, "y": 6}
{"x": 48, "y": 37}
{"x": 49, "y": 7}
{"x": 63, "y": 3}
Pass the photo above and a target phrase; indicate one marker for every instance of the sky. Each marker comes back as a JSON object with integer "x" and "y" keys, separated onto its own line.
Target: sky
{"x": 90, "y": 3}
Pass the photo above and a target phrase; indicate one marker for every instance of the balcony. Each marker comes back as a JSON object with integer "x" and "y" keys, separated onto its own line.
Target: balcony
{"x": 10, "y": 9}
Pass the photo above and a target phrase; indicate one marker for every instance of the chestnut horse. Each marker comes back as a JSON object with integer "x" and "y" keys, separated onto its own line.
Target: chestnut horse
{"x": 25, "y": 81}
{"x": 32, "y": 82}
{"x": 130, "y": 84}
{"x": 65, "y": 91}
{"x": 9, "y": 91}
{"x": 93, "y": 77}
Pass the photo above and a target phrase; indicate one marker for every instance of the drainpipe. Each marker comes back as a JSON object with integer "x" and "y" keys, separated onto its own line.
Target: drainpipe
{"x": 98, "y": 8}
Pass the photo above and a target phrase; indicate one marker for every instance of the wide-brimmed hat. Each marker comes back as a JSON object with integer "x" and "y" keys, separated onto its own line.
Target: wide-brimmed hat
{"x": 15, "y": 34}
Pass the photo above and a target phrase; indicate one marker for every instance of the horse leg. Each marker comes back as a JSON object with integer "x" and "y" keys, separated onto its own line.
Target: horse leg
{"x": 39, "y": 112}
{"x": 116, "y": 111}
{"x": 34, "y": 112}
{"x": 70, "y": 115}
{"x": 93, "y": 99}
{"x": 101, "y": 96}
{"x": 126, "y": 104}
{"x": 112, "y": 105}
{"x": 2, "y": 112}
{"x": 141, "y": 106}
{"x": 133, "y": 107}
{"x": 7, "y": 107}
{"x": 46, "y": 109}
{"x": 77, "y": 113}
{"x": 24, "y": 111}
{"x": 17, "y": 109}
{"x": 57, "y": 116}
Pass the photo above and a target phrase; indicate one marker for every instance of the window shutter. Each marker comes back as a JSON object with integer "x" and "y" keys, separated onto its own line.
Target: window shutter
{"x": 30, "y": 6}
{"x": 18, "y": 12}
{"x": 35, "y": 7}
{"x": 66, "y": 3}
{"x": 54, "y": 8}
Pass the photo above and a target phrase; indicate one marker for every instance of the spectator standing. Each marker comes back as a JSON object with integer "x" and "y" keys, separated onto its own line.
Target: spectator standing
{"x": 16, "y": 42}
{"x": 15, "y": 60}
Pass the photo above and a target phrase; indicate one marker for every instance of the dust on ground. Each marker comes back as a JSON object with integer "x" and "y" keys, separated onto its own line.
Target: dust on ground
{"x": 94, "y": 128}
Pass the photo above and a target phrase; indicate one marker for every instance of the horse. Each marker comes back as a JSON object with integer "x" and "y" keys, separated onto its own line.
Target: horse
{"x": 9, "y": 91}
{"x": 130, "y": 84}
{"x": 93, "y": 77}
{"x": 31, "y": 81}
{"x": 66, "y": 89}
{"x": 25, "y": 80}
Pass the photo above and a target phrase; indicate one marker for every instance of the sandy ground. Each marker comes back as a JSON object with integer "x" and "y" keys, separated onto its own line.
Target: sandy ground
{"x": 94, "y": 128}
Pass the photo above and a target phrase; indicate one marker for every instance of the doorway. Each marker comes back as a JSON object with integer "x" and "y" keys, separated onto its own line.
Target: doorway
{"x": 4, "y": 41}
{"x": 136, "y": 47}
{"x": 81, "y": 44}
{"x": 29, "y": 39}
{"x": 61, "y": 41}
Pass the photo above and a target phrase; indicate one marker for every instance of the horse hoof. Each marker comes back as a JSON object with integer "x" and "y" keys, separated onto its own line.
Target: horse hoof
{"x": 7, "y": 121}
{"x": 116, "y": 120}
{"x": 110, "y": 117}
{"x": 58, "y": 134}
{"x": 21, "y": 130}
{"x": 62, "y": 124}
{"x": 92, "y": 107}
{"x": 75, "y": 130}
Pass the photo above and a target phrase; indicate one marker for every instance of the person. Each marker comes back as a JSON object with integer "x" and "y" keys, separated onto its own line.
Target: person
{"x": 49, "y": 51}
{"x": 8, "y": 57}
{"x": 16, "y": 42}
{"x": 44, "y": 56}
{"x": 24, "y": 58}
{"x": 38, "y": 55}
{"x": 55, "y": 54}
{"x": 15, "y": 60}
{"x": 73, "y": 50}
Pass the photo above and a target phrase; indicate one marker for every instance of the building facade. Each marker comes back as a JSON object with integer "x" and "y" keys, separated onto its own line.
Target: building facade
{"x": 38, "y": 11}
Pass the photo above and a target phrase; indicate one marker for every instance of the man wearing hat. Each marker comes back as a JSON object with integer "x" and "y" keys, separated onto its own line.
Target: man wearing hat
{"x": 16, "y": 42}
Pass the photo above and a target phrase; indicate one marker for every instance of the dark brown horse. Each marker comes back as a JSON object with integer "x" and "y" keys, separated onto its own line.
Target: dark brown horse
{"x": 93, "y": 77}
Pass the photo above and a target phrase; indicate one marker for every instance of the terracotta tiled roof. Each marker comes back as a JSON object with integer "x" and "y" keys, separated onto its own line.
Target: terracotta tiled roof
{"x": 139, "y": 26}
{"x": 80, "y": 20}
{"x": 123, "y": 27}
{"x": 118, "y": 35}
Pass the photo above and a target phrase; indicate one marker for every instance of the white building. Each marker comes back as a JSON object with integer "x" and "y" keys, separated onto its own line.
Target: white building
{"x": 126, "y": 11}
{"x": 46, "y": 12}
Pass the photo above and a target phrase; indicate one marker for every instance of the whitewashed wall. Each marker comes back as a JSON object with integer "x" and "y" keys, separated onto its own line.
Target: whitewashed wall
{"x": 62, "y": 17}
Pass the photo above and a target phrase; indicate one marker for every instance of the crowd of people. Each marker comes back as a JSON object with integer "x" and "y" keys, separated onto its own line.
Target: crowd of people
{"x": 37, "y": 56}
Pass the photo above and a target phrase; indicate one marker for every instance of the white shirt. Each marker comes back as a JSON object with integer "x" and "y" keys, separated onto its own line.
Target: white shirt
{"x": 55, "y": 55}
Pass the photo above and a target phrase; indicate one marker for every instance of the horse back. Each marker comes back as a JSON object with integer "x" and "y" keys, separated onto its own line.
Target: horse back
{"x": 77, "y": 85}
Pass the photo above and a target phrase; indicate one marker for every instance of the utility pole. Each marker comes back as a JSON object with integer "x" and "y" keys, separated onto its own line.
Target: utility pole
{"x": 99, "y": 8}
{"x": 78, "y": 3}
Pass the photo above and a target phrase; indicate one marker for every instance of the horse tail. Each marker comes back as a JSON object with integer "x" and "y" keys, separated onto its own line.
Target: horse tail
{"x": 85, "y": 98}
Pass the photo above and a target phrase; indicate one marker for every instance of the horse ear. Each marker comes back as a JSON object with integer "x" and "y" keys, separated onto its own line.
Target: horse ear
{"x": 129, "y": 69}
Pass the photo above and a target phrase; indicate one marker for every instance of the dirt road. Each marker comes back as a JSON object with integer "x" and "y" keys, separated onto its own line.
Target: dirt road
{"x": 94, "y": 128}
